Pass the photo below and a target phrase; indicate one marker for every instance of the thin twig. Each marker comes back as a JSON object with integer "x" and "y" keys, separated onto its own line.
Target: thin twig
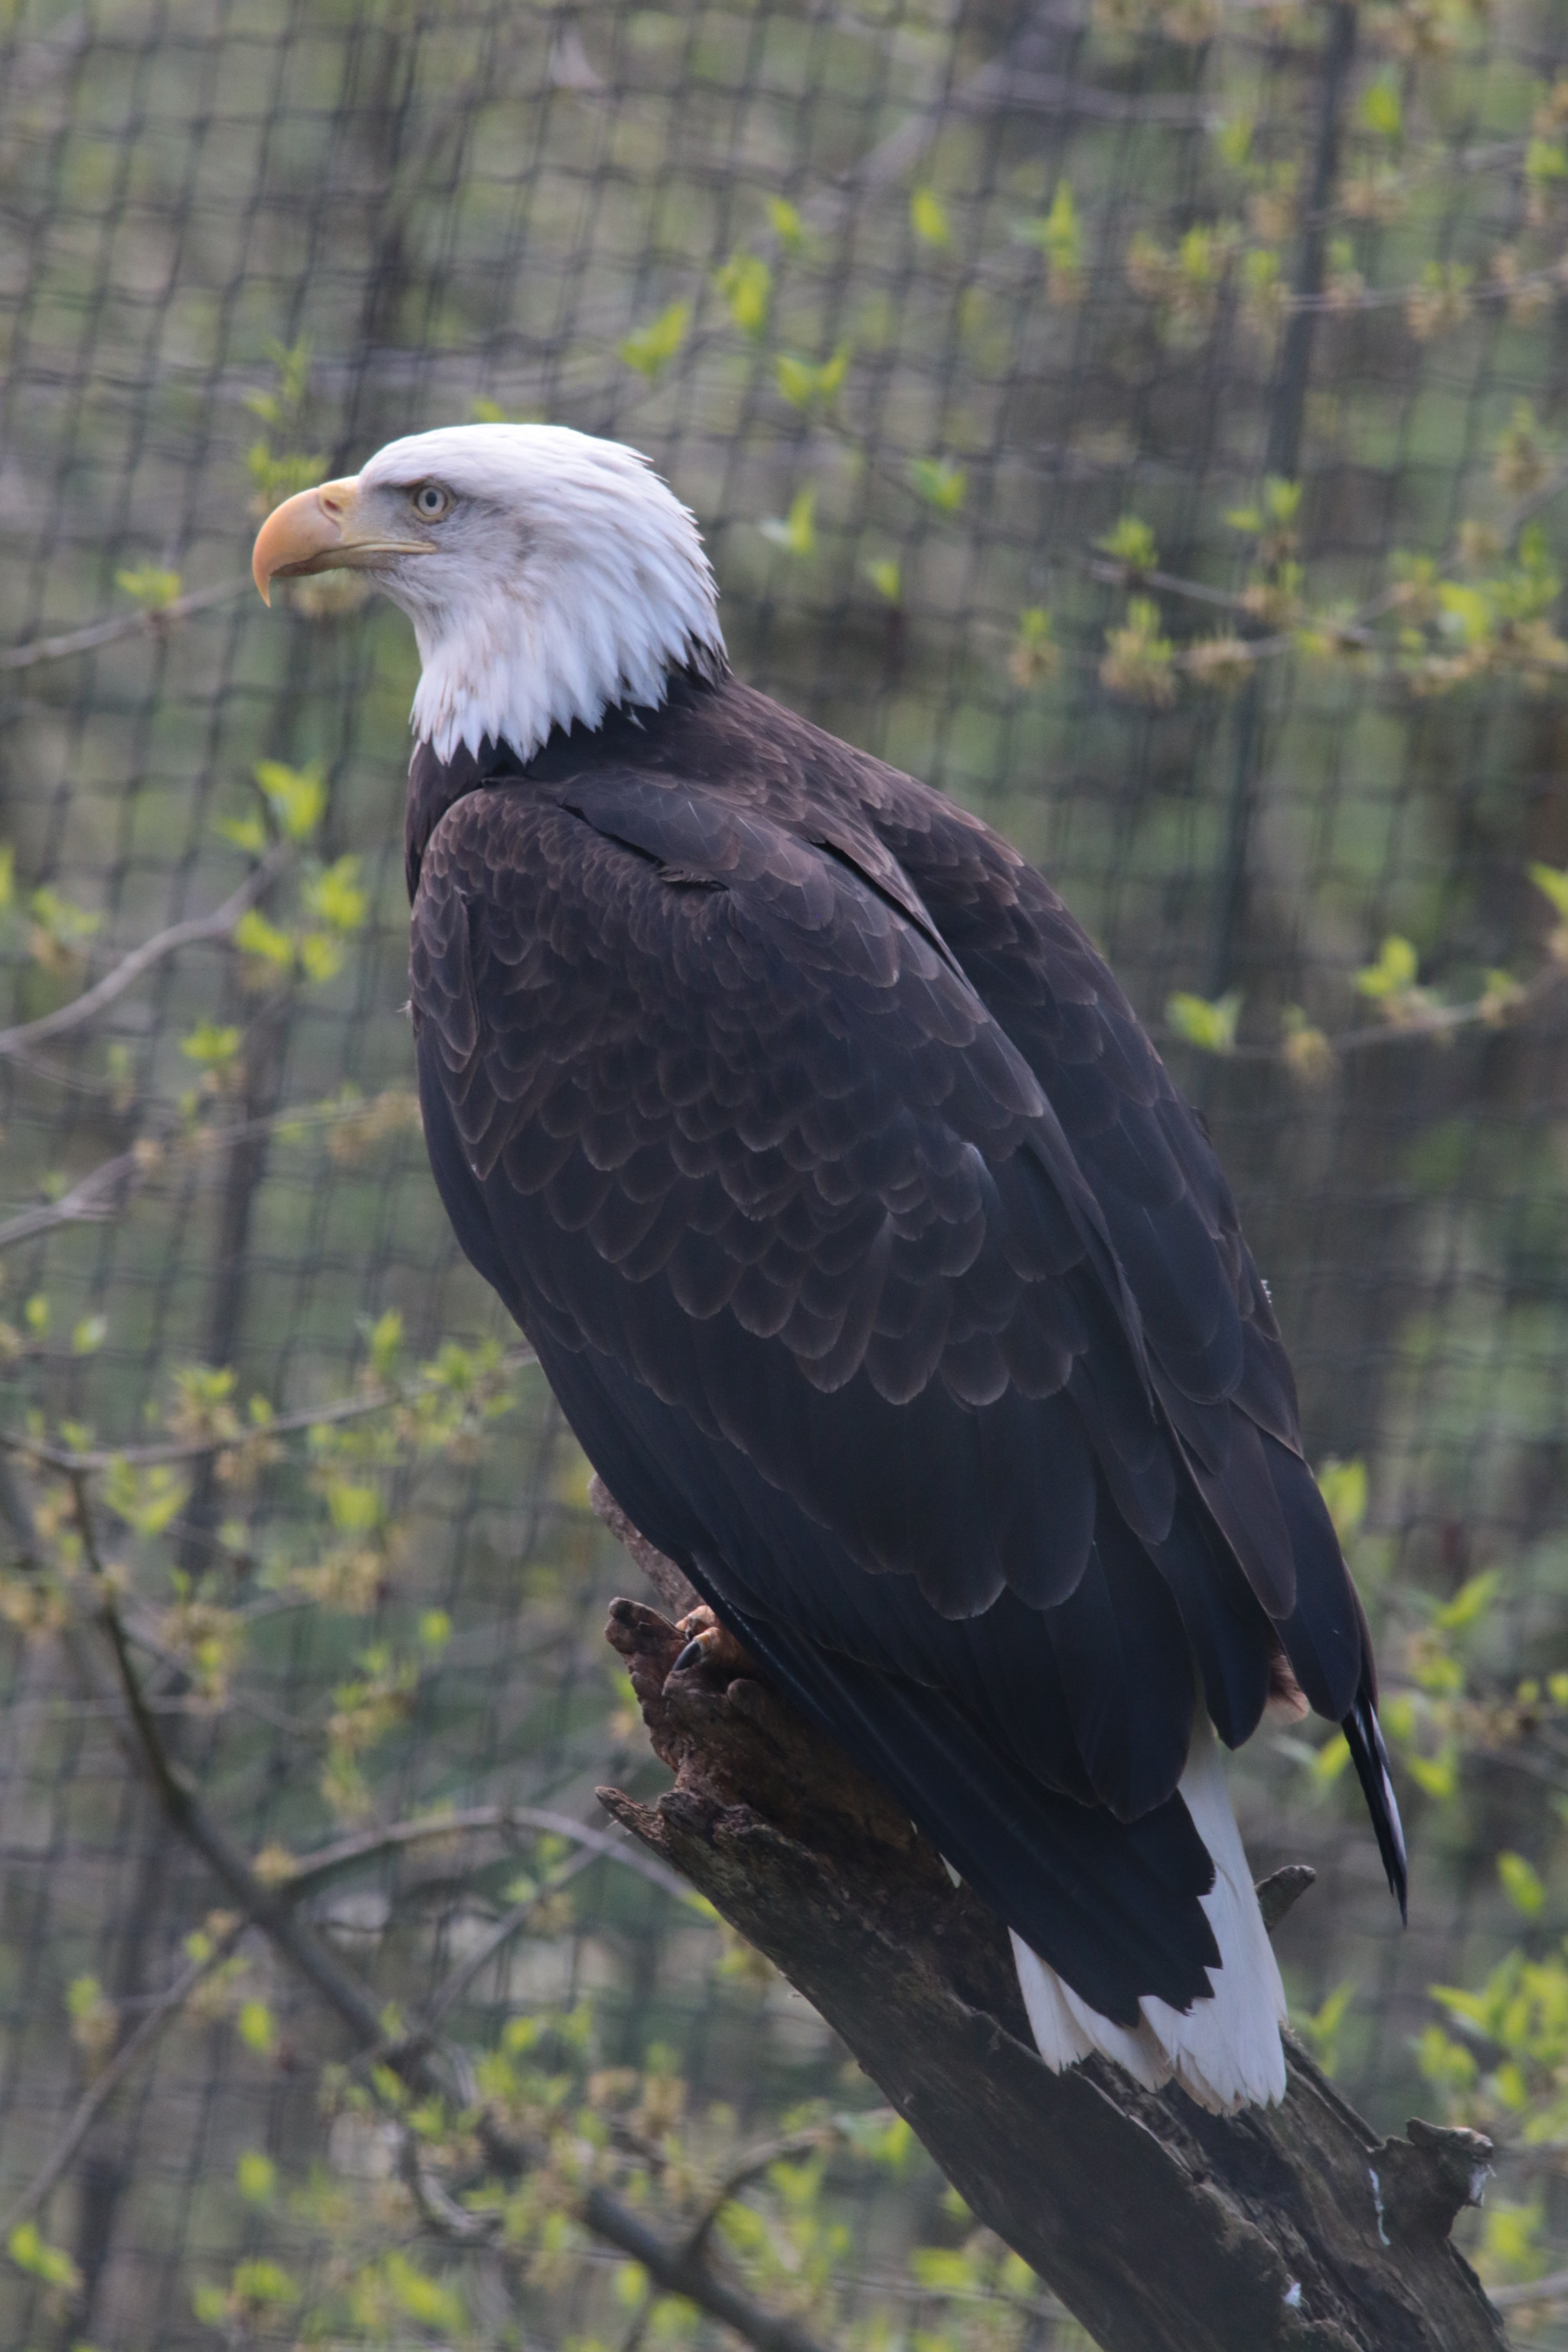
{"x": 311, "y": 1868}
{"x": 440, "y": 2212}
{"x": 454, "y": 1985}
{"x": 1443, "y": 1022}
{"x": 72, "y": 1465}
{"x": 94, "y": 1198}
{"x": 218, "y": 925}
{"x": 124, "y": 2062}
{"x": 267, "y": 1906}
{"x": 751, "y": 2168}
{"x": 101, "y": 1194}
{"x": 142, "y": 622}
{"x": 1540, "y": 2290}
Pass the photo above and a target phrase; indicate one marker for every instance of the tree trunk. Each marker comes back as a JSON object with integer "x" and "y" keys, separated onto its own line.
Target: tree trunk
{"x": 1162, "y": 2228}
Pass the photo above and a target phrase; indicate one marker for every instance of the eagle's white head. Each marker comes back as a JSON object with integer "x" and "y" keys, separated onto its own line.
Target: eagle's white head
{"x": 548, "y": 576}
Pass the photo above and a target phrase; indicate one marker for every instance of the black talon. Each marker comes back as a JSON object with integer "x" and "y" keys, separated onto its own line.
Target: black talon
{"x": 689, "y": 1656}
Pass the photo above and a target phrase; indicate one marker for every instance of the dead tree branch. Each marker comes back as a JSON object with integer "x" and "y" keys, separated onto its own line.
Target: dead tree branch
{"x": 1162, "y": 2227}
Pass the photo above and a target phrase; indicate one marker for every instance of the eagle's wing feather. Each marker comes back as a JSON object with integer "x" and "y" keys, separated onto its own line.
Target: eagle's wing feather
{"x": 826, "y": 1293}
{"x": 1216, "y": 1356}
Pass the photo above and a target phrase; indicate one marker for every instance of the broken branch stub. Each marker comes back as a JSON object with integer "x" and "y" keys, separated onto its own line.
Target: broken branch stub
{"x": 1162, "y": 2227}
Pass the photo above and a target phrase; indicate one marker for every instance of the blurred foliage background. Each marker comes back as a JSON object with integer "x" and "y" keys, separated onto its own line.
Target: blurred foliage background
{"x": 1146, "y": 420}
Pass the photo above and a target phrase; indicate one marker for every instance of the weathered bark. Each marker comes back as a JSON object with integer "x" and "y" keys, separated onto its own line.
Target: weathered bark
{"x": 1162, "y": 2227}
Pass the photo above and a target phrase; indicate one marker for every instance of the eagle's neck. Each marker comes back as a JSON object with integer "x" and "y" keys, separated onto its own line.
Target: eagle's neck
{"x": 515, "y": 669}
{"x": 635, "y": 732}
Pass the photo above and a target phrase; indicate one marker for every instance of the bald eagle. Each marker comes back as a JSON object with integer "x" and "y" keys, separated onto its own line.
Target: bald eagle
{"x": 881, "y": 1271}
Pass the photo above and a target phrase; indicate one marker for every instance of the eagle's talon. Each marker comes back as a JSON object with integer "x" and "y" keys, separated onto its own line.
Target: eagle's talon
{"x": 710, "y": 1644}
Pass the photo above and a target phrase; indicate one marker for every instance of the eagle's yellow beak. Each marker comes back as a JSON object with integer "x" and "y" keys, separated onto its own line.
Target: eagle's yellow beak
{"x": 333, "y": 528}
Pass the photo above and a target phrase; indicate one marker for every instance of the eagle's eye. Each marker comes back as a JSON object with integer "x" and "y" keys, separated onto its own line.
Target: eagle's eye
{"x": 431, "y": 502}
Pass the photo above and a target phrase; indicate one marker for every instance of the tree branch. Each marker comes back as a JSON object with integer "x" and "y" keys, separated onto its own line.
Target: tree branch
{"x": 142, "y": 622}
{"x": 71, "y": 1463}
{"x": 670, "y": 2265}
{"x": 310, "y": 1869}
{"x": 125, "y": 2060}
{"x": 1162, "y": 2227}
{"x": 218, "y": 925}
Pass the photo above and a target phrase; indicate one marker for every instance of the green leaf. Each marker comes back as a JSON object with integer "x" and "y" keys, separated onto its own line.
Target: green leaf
{"x": 796, "y": 532}
{"x": 297, "y": 796}
{"x": 943, "y": 2270}
{"x": 152, "y": 587}
{"x": 1553, "y": 881}
{"x": 261, "y": 2283}
{"x": 1471, "y": 1603}
{"x": 210, "y": 1045}
{"x": 64, "y": 922}
{"x": 1508, "y": 2237}
{"x": 423, "y": 2298}
{"x": 89, "y": 1335}
{"x": 1437, "y": 1775}
{"x": 787, "y": 224}
{"x": 52, "y": 2265}
{"x": 885, "y": 577}
{"x": 928, "y": 219}
{"x": 1467, "y": 612}
{"x": 1381, "y": 108}
{"x": 802, "y": 382}
{"x": 651, "y": 348}
{"x": 320, "y": 957}
{"x": 745, "y": 286}
{"x": 246, "y": 832}
{"x": 1393, "y": 972}
{"x": 1520, "y": 1883}
{"x": 253, "y": 935}
{"x": 1209, "y": 1026}
{"x": 1233, "y": 137}
{"x": 257, "y": 2028}
{"x": 1545, "y": 159}
{"x": 1320, "y": 2029}
{"x": 1330, "y": 1760}
{"x": 279, "y": 477}
{"x": 1445, "y": 2063}
{"x": 334, "y": 897}
{"x": 1034, "y": 654}
{"x": 1057, "y": 233}
{"x": 255, "y": 2177}
{"x": 1132, "y": 543}
{"x": 939, "y": 482}
{"x": 490, "y": 411}
{"x": 1343, "y": 1487}
{"x": 355, "y": 1511}
{"x": 149, "y": 1500}
{"x": 385, "y": 1340}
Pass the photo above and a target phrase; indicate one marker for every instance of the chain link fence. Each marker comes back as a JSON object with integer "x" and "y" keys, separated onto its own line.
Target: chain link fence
{"x": 1146, "y": 421}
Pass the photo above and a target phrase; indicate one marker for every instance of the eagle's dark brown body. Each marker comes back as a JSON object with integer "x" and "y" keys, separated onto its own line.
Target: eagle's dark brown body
{"x": 890, "y": 1286}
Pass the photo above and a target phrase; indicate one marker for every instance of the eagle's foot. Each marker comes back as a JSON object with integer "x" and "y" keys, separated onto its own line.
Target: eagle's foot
{"x": 710, "y": 1644}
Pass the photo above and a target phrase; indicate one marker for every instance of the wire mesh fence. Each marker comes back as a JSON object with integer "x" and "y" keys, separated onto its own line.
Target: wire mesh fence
{"x": 1141, "y": 420}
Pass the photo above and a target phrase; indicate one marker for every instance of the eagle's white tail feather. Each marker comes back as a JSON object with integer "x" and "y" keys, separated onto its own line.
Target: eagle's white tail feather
{"x": 1226, "y": 2051}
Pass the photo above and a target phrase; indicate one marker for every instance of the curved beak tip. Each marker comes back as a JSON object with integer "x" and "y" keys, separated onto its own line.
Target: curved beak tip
{"x": 303, "y": 534}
